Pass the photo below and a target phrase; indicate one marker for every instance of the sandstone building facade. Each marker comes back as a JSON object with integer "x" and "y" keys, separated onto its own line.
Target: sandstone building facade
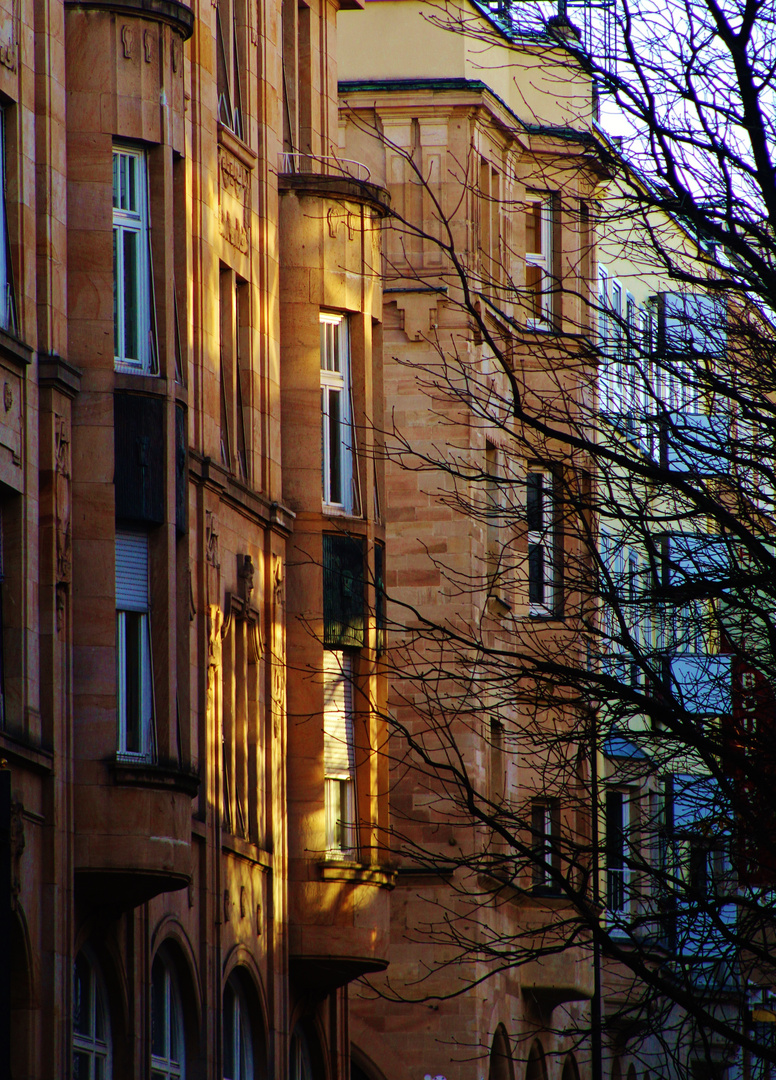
{"x": 183, "y": 266}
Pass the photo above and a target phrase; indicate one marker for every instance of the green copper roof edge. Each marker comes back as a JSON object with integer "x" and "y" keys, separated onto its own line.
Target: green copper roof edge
{"x": 382, "y": 86}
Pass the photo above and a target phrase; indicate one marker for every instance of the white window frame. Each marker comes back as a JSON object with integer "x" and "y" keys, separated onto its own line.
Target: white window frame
{"x": 133, "y": 610}
{"x": 93, "y": 1048}
{"x": 131, "y": 219}
{"x": 541, "y": 542}
{"x": 339, "y": 755}
{"x": 621, "y": 874}
{"x": 237, "y": 1034}
{"x": 336, "y": 432}
{"x": 164, "y": 1066}
{"x": 543, "y": 260}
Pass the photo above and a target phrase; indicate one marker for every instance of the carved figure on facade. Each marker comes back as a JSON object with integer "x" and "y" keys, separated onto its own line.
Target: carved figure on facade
{"x": 9, "y": 37}
{"x": 128, "y": 41}
{"x": 278, "y": 628}
{"x": 215, "y": 624}
{"x": 18, "y": 843}
{"x": 62, "y": 499}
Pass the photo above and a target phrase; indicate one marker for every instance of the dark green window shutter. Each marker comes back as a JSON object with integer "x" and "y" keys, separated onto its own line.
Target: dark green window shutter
{"x": 380, "y": 597}
{"x": 139, "y": 458}
{"x": 343, "y": 593}
{"x": 181, "y": 485}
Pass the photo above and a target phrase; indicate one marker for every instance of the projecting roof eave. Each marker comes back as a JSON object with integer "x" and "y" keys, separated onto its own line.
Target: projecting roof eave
{"x": 461, "y": 85}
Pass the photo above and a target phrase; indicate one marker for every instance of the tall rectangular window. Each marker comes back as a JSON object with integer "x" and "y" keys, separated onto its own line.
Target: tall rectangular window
{"x": 230, "y": 75}
{"x": 234, "y": 370}
{"x": 336, "y": 414}
{"x": 339, "y": 754}
{"x": 540, "y": 513}
{"x": 539, "y": 261}
{"x": 133, "y": 345}
{"x": 133, "y": 649}
{"x": 617, "y": 870}
{"x": 545, "y": 828}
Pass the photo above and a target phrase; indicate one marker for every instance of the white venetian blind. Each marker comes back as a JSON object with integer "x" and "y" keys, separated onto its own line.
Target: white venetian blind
{"x": 131, "y": 571}
{"x": 338, "y": 756}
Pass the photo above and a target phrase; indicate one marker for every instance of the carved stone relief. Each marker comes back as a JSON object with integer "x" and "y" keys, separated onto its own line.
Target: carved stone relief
{"x": 62, "y": 499}
{"x": 17, "y": 848}
{"x": 128, "y": 41}
{"x": 234, "y": 196}
{"x": 9, "y": 38}
{"x": 278, "y": 636}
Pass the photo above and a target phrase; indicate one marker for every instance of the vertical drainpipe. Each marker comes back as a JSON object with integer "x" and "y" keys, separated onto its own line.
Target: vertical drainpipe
{"x": 595, "y": 1005}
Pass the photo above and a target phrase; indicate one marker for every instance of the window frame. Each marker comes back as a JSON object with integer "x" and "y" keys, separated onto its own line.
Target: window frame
{"x": 139, "y": 613}
{"x": 543, "y": 261}
{"x": 545, "y": 834}
{"x": 231, "y": 76}
{"x": 542, "y": 540}
{"x": 240, "y": 1038}
{"x": 618, "y": 878}
{"x": 164, "y": 1066}
{"x": 89, "y": 1043}
{"x": 129, "y": 222}
{"x": 336, "y": 380}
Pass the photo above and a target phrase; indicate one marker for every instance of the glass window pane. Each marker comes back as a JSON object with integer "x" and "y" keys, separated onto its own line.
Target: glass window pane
{"x": 533, "y": 281}
{"x": 229, "y": 1033}
{"x": 132, "y": 184}
{"x": 81, "y": 1065}
{"x": 131, "y": 283}
{"x": 533, "y": 229}
{"x": 82, "y": 999}
{"x": 115, "y": 179}
{"x": 336, "y": 342}
{"x": 536, "y": 574}
{"x": 174, "y": 1021}
{"x": 335, "y": 447}
{"x": 535, "y": 502}
{"x": 133, "y": 628}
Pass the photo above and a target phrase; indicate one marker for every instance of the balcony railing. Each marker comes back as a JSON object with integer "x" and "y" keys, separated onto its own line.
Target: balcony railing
{"x": 294, "y": 163}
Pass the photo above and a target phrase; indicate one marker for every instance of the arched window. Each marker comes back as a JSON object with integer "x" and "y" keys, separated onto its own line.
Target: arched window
{"x": 500, "y": 1063}
{"x": 91, "y": 1025}
{"x": 570, "y": 1070}
{"x": 536, "y": 1069}
{"x": 238, "y": 1044}
{"x": 300, "y": 1065}
{"x": 167, "y": 1041}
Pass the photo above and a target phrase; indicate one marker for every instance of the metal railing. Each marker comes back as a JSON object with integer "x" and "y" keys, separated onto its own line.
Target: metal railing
{"x": 295, "y": 163}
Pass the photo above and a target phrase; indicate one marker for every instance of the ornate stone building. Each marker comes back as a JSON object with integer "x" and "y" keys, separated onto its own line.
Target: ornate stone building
{"x": 190, "y": 892}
